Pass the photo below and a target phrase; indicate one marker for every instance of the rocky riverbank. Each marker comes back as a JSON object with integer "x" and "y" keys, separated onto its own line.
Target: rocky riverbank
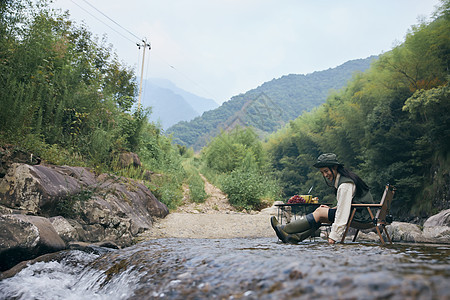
{"x": 45, "y": 208}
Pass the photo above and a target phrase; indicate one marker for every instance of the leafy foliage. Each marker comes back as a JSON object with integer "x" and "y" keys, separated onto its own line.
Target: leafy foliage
{"x": 195, "y": 182}
{"x": 389, "y": 124}
{"x": 59, "y": 83}
{"x": 244, "y": 189}
{"x": 237, "y": 162}
{"x": 65, "y": 97}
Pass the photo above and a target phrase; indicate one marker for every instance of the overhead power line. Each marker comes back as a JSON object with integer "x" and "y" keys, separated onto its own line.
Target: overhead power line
{"x": 185, "y": 76}
{"x": 112, "y": 20}
{"x": 95, "y": 17}
{"x": 138, "y": 44}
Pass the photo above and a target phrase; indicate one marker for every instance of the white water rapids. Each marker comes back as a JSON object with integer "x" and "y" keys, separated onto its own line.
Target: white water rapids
{"x": 259, "y": 268}
{"x": 68, "y": 279}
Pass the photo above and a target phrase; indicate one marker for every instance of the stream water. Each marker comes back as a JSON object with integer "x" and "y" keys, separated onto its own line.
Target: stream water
{"x": 259, "y": 268}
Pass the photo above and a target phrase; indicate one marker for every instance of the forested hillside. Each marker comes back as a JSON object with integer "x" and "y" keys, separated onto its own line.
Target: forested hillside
{"x": 269, "y": 106}
{"x": 390, "y": 124}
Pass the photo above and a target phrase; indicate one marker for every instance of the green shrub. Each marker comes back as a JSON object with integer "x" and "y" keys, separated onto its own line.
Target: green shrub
{"x": 194, "y": 180}
{"x": 197, "y": 189}
{"x": 244, "y": 189}
{"x": 100, "y": 146}
{"x": 167, "y": 189}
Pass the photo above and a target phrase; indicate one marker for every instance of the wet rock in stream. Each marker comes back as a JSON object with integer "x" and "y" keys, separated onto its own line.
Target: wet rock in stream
{"x": 257, "y": 268}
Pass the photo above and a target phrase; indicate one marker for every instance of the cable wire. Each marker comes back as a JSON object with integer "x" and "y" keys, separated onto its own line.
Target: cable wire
{"x": 185, "y": 76}
{"x": 128, "y": 31}
{"x": 102, "y": 21}
{"x": 111, "y": 19}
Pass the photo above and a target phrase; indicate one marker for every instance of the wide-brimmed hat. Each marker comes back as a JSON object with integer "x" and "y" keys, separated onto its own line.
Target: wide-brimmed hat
{"x": 327, "y": 160}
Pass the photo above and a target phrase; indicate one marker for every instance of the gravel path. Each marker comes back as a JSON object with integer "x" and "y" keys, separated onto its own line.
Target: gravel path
{"x": 215, "y": 218}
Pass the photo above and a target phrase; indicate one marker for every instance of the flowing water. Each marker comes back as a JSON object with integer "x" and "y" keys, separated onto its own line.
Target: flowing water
{"x": 259, "y": 268}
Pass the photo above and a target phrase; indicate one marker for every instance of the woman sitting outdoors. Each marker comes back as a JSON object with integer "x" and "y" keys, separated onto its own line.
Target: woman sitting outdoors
{"x": 348, "y": 187}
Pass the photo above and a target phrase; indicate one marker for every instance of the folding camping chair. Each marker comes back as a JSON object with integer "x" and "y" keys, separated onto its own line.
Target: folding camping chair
{"x": 381, "y": 218}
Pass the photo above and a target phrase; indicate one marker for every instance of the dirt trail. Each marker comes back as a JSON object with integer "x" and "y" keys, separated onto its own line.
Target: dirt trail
{"x": 215, "y": 218}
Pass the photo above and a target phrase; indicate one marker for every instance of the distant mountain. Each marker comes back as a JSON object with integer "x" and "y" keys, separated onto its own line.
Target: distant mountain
{"x": 269, "y": 106}
{"x": 171, "y": 104}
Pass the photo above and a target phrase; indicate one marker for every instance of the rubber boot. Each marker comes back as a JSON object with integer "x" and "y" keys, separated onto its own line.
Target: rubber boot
{"x": 295, "y": 238}
{"x": 297, "y": 230}
{"x": 292, "y": 238}
{"x": 281, "y": 234}
{"x": 297, "y": 226}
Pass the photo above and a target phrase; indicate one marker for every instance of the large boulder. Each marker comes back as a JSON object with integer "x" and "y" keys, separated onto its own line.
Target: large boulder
{"x": 37, "y": 189}
{"x": 404, "y": 232}
{"x": 25, "y": 237}
{"x": 437, "y": 228}
{"x": 95, "y": 208}
{"x": 440, "y": 219}
{"x": 64, "y": 229}
{"x": 10, "y": 154}
{"x": 437, "y": 234}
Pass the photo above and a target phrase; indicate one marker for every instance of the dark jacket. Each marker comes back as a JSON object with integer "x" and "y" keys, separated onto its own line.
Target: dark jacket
{"x": 361, "y": 215}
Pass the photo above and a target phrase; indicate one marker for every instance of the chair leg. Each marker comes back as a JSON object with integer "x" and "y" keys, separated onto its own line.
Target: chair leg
{"x": 379, "y": 234}
{"x": 387, "y": 234}
{"x": 348, "y": 224}
{"x": 356, "y": 234}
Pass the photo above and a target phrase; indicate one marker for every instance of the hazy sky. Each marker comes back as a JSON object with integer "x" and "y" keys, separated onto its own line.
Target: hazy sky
{"x": 221, "y": 48}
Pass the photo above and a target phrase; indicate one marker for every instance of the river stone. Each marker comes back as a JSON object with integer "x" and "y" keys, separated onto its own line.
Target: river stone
{"x": 404, "y": 232}
{"x": 17, "y": 189}
{"x": 436, "y": 228}
{"x": 92, "y": 233}
{"x": 5, "y": 210}
{"x": 369, "y": 236}
{"x": 25, "y": 237}
{"x": 101, "y": 207}
{"x": 37, "y": 189}
{"x": 440, "y": 219}
{"x": 437, "y": 234}
{"x": 64, "y": 229}
{"x": 48, "y": 236}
